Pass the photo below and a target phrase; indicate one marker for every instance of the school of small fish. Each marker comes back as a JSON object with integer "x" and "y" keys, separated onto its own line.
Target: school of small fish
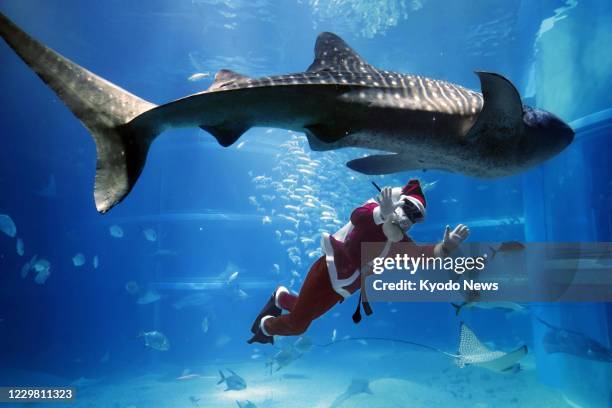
{"x": 301, "y": 198}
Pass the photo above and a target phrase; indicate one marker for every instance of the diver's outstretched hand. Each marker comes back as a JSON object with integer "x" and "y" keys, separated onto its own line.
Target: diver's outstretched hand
{"x": 387, "y": 205}
{"x": 452, "y": 239}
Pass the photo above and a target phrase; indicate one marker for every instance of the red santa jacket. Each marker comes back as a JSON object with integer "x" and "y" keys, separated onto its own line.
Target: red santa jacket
{"x": 343, "y": 249}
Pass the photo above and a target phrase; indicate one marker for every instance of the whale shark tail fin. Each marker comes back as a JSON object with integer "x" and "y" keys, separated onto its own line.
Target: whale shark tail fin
{"x": 104, "y": 109}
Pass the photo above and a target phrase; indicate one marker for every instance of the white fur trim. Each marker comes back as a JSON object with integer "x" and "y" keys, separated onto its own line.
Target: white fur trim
{"x": 378, "y": 219}
{"x": 396, "y": 193}
{"x": 337, "y": 284}
{"x": 279, "y": 290}
{"x": 262, "y": 326}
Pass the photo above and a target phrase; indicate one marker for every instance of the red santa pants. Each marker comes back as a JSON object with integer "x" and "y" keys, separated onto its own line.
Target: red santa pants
{"x": 316, "y": 297}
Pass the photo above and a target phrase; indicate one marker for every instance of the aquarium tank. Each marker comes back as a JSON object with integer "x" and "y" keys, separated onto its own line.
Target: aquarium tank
{"x": 188, "y": 194}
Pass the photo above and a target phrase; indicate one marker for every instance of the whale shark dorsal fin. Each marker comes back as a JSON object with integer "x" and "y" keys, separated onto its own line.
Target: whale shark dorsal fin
{"x": 502, "y": 111}
{"x": 225, "y": 77}
{"x": 333, "y": 54}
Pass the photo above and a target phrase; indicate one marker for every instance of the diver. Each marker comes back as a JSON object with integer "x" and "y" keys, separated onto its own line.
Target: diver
{"x": 336, "y": 275}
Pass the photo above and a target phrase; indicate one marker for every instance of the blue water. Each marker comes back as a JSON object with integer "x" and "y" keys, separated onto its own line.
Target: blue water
{"x": 207, "y": 208}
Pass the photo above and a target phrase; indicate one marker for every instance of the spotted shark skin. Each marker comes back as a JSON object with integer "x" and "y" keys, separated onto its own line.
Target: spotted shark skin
{"x": 381, "y": 89}
{"x": 339, "y": 101}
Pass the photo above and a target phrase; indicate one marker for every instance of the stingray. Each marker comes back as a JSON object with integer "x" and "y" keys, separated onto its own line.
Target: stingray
{"x": 357, "y": 386}
{"x": 559, "y": 340}
{"x": 473, "y": 352}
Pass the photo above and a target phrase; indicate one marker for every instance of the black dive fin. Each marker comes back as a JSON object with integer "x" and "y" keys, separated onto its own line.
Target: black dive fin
{"x": 333, "y": 54}
{"x": 502, "y": 112}
{"x": 326, "y": 133}
{"x": 383, "y": 164}
{"x": 113, "y": 116}
{"x": 225, "y": 77}
{"x": 226, "y": 134}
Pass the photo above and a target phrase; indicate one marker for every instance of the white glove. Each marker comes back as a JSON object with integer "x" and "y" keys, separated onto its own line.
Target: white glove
{"x": 452, "y": 239}
{"x": 387, "y": 205}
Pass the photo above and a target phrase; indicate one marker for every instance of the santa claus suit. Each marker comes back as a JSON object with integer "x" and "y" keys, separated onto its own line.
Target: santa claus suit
{"x": 336, "y": 275}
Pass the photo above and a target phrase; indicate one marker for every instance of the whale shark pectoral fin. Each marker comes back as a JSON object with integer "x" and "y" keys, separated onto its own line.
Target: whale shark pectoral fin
{"x": 383, "y": 164}
{"x": 502, "y": 112}
{"x": 226, "y": 134}
{"x": 326, "y": 133}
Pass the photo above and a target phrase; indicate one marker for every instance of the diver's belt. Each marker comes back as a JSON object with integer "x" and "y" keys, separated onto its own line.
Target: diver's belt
{"x": 363, "y": 294}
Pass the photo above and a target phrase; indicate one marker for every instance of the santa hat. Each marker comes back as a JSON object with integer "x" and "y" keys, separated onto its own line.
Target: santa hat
{"x": 412, "y": 192}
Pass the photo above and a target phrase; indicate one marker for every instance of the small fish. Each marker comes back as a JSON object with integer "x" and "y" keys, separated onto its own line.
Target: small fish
{"x": 314, "y": 254}
{"x": 233, "y": 382}
{"x": 42, "y": 277}
{"x": 156, "y": 340}
{"x": 240, "y": 145}
{"x": 222, "y": 340}
{"x": 276, "y": 268}
{"x": 240, "y": 294}
{"x": 43, "y": 270}
{"x": 116, "y": 231}
{"x": 7, "y": 225}
{"x": 150, "y": 234}
{"x": 19, "y": 247}
{"x": 232, "y": 278}
{"x": 429, "y": 186}
{"x": 205, "y": 325}
{"x": 334, "y": 335}
{"x": 303, "y": 344}
{"x": 78, "y": 260}
{"x": 28, "y": 266}
{"x": 357, "y": 386}
{"x": 188, "y": 377}
{"x": 41, "y": 265}
{"x": 283, "y": 358}
{"x": 132, "y": 287}
{"x": 149, "y": 297}
{"x": 95, "y": 262}
{"x": 508, "y": 246}
{"x": 198, "y": 76}
{"x": 508, "y": 306}
{"x": 194, "y": 400}
{"x": 246, "y": 404}
{"x": 266, "y": 220}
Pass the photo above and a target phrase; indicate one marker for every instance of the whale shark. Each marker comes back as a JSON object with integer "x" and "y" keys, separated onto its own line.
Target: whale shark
{"x": 340, "y": 101}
